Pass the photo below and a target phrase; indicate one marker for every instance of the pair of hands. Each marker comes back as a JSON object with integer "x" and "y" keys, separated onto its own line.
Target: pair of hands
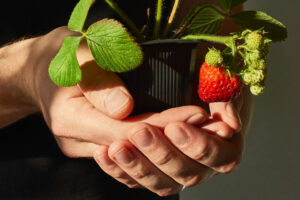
{"x": 158, "y": 151}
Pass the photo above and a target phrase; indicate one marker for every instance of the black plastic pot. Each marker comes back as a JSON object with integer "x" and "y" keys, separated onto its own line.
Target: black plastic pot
{"x": 166, "y": 78}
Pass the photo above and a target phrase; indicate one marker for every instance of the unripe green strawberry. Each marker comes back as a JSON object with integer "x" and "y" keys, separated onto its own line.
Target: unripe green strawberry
{"x": 254, "y": 40}
{"x": 258, "y": 76}
{"x": 257, "y": 89}
{"x": 253, "y": 76}
{"x": 247, "y": 77}
{"x": 213, "y": 57}
{"x": 254, "y": 56}
{"x": 261, "y": 64}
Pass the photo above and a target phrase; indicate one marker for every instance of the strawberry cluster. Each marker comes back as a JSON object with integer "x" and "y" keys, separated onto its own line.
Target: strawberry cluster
{"x": 255, "y": 51}
{"x": 220, "y": 76}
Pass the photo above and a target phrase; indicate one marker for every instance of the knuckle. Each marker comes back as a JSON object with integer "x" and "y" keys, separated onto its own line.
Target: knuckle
{"x": 139, "y": 127}
{"x": 229, "y": 167}
{"x": 174, "y": 126}
{"x": 202, "y": 153}
{"x": 110, "y": 167}
{"x": 118, "y": 174}
{"x": 168, "y": 191}
{"x": 192, "y": 180}
{"x": 131, "y": 183}
{"x": 141, "y": 174}
{"x": 164, "y": 158}
{"x": 133, "y": 186}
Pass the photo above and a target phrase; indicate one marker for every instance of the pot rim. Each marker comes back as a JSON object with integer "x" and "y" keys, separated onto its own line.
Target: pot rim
{"x": 171, "y": 41}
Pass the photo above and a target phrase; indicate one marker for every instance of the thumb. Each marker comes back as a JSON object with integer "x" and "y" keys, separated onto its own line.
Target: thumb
{"x": 105, "y": 91}
{"x": 226, "y": 112}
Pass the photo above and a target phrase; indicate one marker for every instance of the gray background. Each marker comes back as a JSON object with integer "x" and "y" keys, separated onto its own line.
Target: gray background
{"x": 271, "y": 162}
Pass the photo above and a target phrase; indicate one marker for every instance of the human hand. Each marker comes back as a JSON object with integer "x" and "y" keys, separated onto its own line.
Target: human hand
{"x": 163, "y": 160}
{"x": 89, "y": 114}
{"x": 77, "y": 115}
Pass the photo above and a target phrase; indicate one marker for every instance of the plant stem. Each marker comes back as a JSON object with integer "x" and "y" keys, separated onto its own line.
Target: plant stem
{"x": 125, "y": 17}
{"x": 228, "y": 40}
{"x": 157, "y": 19}
{"x": 171, "y": 18}
{"x": 147, "y": 23}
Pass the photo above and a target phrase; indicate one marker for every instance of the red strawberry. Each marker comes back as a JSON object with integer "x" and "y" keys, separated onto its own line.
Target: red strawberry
{"x": 216, "y": 85}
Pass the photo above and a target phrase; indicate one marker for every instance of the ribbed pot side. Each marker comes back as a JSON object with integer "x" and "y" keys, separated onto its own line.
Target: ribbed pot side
{"x": 166, "y": 78}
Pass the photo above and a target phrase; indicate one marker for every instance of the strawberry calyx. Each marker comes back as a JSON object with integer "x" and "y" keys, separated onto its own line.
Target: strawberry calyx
{"x": 216, "y": 58}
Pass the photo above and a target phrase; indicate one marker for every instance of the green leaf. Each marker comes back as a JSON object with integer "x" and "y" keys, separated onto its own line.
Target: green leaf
{"x": 79, "y": 14}
{"x": 203, "y": 19}
{"x": 256, "y": 19}
{"x": 64, "y": 68}
{"x": 112, "y": 47}
{"x": 191, "y": 14}
{"x": 229, "y": 4}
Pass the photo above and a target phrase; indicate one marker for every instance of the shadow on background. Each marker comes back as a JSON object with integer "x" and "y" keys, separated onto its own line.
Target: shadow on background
{"x": 270, "y": 167}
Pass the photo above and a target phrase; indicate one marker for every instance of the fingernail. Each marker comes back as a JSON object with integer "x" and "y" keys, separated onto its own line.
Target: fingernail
{"x": 179, "y": 136}
{"x": 143, "y": 138}
{"x": 123, "y": 156}
{"x": 116, "y": 100}
{"x": 103, "y": 159}
{"x": 196, "y": 119}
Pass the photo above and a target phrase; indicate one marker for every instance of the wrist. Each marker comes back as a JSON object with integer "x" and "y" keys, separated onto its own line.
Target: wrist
{"x": 16, "y": 95}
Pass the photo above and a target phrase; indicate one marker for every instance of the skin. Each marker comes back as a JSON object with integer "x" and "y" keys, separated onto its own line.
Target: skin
{"x": 158, "y": 151}
{"x": 160, "y": 161}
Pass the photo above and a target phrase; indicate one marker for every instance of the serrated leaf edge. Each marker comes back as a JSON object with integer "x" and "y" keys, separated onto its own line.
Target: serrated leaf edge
{"x": 115, "y": 22}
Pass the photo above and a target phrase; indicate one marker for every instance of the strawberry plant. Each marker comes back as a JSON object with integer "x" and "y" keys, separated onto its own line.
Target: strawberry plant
{"x": 222, "y": 74}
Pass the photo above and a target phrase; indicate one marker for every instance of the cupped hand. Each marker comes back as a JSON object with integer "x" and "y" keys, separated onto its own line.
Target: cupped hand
{"x": 90, "y": 119}
{"x": 180, "y": 154}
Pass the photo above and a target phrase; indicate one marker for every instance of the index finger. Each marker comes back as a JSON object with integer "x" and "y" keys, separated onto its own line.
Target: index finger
{"x": 81, "y": 120}
{"x": 190, "y": 114}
